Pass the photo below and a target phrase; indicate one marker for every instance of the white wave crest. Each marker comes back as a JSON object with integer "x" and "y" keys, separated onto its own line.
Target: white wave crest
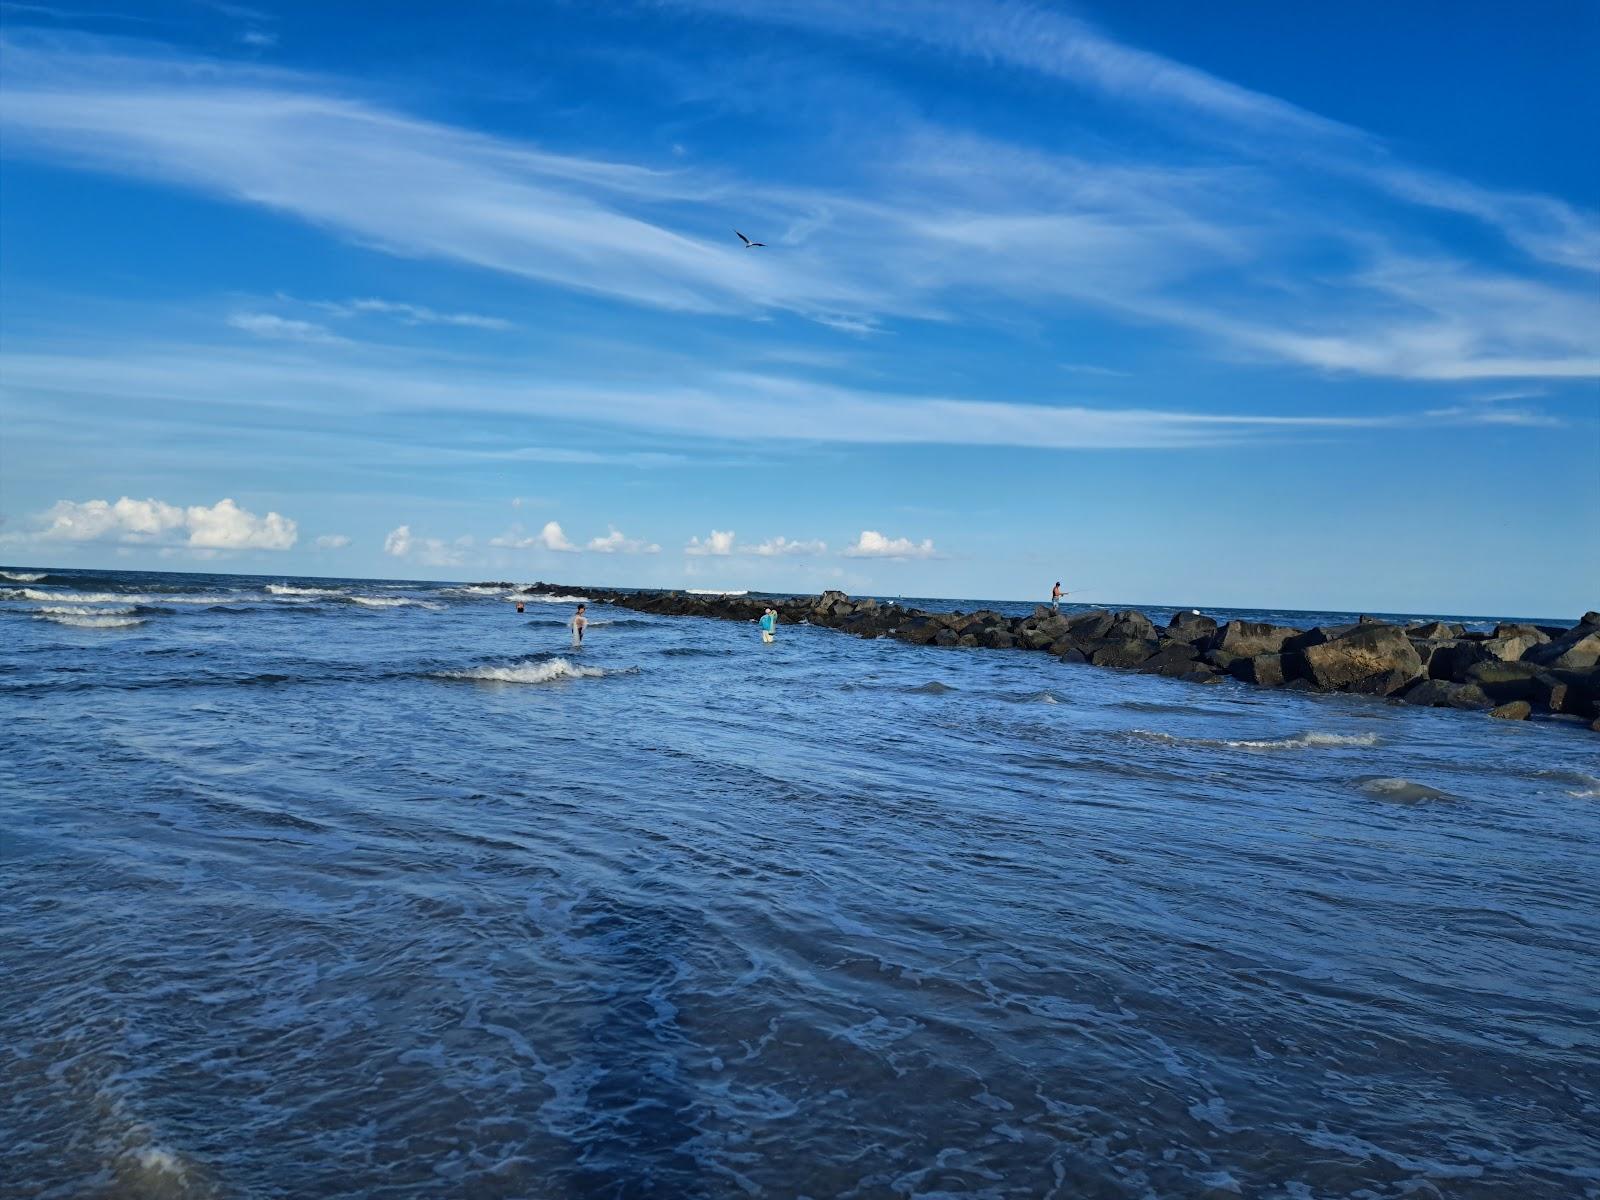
{"x": 284, "y": 589}
{"x": 21, "y": 576}
{"x": 552, "y": 599}
{"x": 1300, "y": 741}
{"x": 71, "y": 597}
{"x": 394, "y": 602}
{"x": 543, "y": 672}
{"x": 85, "y": 622}
{"x": 58, "y": 610}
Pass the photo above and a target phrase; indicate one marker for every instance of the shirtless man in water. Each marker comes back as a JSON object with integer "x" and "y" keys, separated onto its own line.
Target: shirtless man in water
{"x": 577, "y": 625}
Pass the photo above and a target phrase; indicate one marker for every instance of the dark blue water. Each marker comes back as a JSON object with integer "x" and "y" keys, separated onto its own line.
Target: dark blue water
{"x": 304, "y": 896}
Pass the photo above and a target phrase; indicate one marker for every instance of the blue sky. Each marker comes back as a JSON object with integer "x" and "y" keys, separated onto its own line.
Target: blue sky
{"x": 1252, "y": 304}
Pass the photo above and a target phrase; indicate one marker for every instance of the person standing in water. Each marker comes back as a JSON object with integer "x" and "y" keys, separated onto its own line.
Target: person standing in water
{"x": 578, "y": 623}
{"x": 1055, "y": 597}
{"x": 769, "y": 622}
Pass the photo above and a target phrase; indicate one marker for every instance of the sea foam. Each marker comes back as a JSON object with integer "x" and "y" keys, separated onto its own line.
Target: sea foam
{"x": 91, "y": 622}
{"x": 1312, "y": 740}
{"x": 541, "y": 672}
{"x": 21, "y": 576}
{"x": 394, "y": 602}
{"x": 284, "y": 589}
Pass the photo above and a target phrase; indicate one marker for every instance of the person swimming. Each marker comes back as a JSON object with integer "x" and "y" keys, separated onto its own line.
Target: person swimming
{"x": 769, "y": 623}
{"x": 578, "y": 623}
{"x": 519, "y": 606}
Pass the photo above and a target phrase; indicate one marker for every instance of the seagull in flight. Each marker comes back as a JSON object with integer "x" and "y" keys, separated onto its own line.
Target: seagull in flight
{"x": 748, "y": 244}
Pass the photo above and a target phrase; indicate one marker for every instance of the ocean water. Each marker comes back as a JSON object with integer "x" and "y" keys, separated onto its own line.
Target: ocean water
{"x": 323, "y": 888}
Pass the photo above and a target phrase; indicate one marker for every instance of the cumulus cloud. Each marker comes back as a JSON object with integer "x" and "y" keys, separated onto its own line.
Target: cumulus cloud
{"x": 783, "y": 546}
{"x": 872, "y": 544}
{"x": 615, "y": 543}
{"x": 430, "y": 552}
{"x": 550, "y": 537}
{"x": 720, "y": 542}
{"x": 332, "y": 541}
{"x": 221, "y": 526}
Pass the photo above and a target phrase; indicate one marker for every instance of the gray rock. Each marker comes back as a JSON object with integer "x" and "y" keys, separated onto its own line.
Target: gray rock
{"x": 1129, "y": 625}
{"x": 1435, "y": 631}
{"x": 1070, "y": 655}
{"x": 1174, "y": 660}
{"x": 1191, "y": 627}
{"x": 1129, "y": 653}
{"x": 1503, "y": 681}
{"x": 1442, "y": 693}
{"x": 1578, "y": 651}
{"x": 1200, "y": 675}
{"x": 1249, "y": 638}
{"x": 1263, "y": 670}
{"x": 1452, "y": 660}
{"x": 1511, "y": 647}
{"x": 1089, "y": 626}
{"x": 1515, "y": 710}
{"x": 1370, "y": 650}
{"x": 946, "y": 637}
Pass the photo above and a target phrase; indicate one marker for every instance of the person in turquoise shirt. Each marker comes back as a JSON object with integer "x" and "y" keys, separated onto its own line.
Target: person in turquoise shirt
{"x": 769, "y": 622}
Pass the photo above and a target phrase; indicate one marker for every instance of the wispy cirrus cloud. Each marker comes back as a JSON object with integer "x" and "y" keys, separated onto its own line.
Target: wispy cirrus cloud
{"x": 285, "y": 329}
{"x": 411, "y": 314}
{"x": 1244, "y": 256}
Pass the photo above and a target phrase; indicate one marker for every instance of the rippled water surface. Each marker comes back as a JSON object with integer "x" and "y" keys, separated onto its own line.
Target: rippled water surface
{"x": 359, "y": 889}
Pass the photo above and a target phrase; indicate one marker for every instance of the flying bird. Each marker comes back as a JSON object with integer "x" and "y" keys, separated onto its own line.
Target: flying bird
{"x": 748, "y": 244}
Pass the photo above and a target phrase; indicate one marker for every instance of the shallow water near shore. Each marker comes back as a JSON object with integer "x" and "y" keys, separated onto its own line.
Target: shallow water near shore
{"x": 358, "y": 888}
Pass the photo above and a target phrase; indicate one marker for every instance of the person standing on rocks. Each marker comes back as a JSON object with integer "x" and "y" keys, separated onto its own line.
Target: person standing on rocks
{"x": 578, "y": 623}
{"x": 769, "y": 623}
{"x": 1055, "y": 597}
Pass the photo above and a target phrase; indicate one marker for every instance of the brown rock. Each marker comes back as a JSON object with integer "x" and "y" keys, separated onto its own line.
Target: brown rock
{"x": 1516, "y": 710}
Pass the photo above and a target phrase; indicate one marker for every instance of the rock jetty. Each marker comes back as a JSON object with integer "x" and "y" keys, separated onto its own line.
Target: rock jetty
{"x": 1514, "y": 672}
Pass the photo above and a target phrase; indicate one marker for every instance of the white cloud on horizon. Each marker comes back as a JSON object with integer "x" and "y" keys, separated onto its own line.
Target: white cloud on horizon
{"x": 719, "y": 543}
{"x": 550, "y": 537}
{"x": 218, "y": 527}
{"x": 872, "y": 544}
{"x": 783, "y": 547}
{"x": 400, "y": 542}
{"x": 616, "y": 543}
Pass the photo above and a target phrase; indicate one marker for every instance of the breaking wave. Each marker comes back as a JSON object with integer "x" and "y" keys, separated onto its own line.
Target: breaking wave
{"x": 57, "y": 610}
{"x": 540, "y": 672}
{"x": 91, "y": 622}
{"x": 22, "y": 576}
{"x": 394, "y": 602}
{"x": 284, "y": 589}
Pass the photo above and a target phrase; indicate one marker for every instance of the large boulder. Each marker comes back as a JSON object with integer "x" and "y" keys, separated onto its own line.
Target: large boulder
{"x": 1520, "y": 629}
{"x": 1511, "y": 647}
{"x": 1452, "y": 660}
{"x": 1174, "y": 659}
{"x": 1514, "y": 710}
{"x": 1130, "y": 652}
{"x": 1130, "y": 625}
{"x": 1264, "y": 670}
{"x": 1191, "y": 627}
{"x": 1368, "y": 652}
{"x": 1435, "y": 631}
{"x": 997, "y": 638}
{"x": 1249, "y": 638}
{"x": 1579, "y": 650}
{"x": 1442, "y": 693}
{"x": 1503, "y": 681}
{"x": 1089, "y": 626}
{"x": 1035, "y": 638}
